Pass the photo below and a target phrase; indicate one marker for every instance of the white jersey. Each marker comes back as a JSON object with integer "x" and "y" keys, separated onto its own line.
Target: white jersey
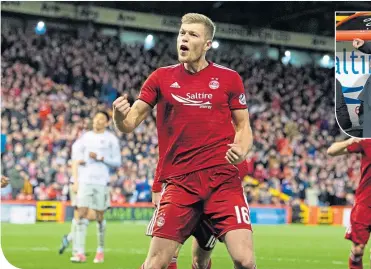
{"x": 105, "y": 145}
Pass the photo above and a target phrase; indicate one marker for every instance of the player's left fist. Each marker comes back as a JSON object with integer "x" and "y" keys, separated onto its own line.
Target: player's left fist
{"x": 235, "y": 154}
{"x": 4, "y": 181}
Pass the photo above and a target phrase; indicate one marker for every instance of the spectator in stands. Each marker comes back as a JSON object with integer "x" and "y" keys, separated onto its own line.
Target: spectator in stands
{"x": 365, "y": 95}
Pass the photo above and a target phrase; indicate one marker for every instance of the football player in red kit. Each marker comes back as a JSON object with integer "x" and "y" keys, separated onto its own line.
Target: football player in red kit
{"x": 360, "y": 219}
{"x": 204, "y": 239}
{"x": 196, "y": 102}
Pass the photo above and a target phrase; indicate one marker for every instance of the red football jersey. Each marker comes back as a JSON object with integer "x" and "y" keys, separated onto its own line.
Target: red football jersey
{"x": 157, "y": 184}
{"x": 243, "y": 169}
{"x": 193, "y": 115}
{"x": 363, "y": 193}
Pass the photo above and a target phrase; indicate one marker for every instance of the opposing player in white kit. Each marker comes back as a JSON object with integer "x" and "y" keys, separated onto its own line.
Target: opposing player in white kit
{"x": 71, "y": 237}
{"x": 97, "y": 151}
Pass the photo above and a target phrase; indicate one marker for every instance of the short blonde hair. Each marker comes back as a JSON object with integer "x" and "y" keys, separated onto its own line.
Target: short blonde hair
{"x": 199, "y": 18}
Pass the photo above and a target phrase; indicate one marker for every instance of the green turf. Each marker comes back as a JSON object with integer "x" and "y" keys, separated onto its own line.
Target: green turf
{"x": 277, "y": 247}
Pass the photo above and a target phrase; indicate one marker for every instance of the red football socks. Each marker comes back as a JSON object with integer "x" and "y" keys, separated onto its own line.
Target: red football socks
{"x": 173, "y": 265}
{"x": 355, "y": 262}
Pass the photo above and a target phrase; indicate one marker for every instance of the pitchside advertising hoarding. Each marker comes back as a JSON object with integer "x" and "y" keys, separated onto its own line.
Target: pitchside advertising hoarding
{"x": 267, "y": 215}
{"x": 352, "y": 69}
{"x": 18, "y": 213}
{"x": 55, "y": 211}
{"x": 258, "y": 215}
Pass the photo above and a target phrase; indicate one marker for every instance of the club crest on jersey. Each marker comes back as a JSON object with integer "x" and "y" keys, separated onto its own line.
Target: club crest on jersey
{"x": 214, "y": 83}
{"x": 161, "y": 220}
{"x": 242, "y": 99}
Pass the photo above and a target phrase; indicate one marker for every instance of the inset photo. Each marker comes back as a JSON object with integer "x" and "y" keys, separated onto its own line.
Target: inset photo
{"x": 353, "y": 82}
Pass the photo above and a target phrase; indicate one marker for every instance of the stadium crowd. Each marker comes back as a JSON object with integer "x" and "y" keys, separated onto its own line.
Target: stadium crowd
{"x": 53, "y": 84}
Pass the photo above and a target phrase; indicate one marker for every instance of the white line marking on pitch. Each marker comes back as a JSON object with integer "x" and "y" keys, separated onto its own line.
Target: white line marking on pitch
{"x": 144, "y": 252}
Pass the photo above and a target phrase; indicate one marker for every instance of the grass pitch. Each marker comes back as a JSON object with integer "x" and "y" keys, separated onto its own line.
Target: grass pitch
{"x": 277, "y": 247}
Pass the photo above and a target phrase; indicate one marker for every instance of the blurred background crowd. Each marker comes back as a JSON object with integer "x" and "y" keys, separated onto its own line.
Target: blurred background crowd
{"x": 53, "y": 84}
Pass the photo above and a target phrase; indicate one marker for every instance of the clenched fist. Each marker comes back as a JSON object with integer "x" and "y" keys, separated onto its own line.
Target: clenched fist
{"x": 235, "y": 154}
{"x": 354, "y": 140}
{"x": 4, "y": 181}
{"x": 121, "y": 108}
{"x": 358, "y": 43}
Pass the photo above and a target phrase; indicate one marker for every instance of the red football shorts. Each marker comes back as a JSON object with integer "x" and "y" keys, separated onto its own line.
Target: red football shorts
{"x": 360, "y": 224}
{"x": 204, "y": 232}
{"x": 214, "y": 194}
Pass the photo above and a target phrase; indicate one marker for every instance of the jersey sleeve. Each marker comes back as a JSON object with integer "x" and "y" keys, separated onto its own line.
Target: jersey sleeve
{"x": 114, "y": 158}
{"x": 365, "y": 95}
{"x": 149, "y": 92}
{"x": 355, "y": 148}
{"x": 365, "y": 48}
{"x": 237, "y": 98}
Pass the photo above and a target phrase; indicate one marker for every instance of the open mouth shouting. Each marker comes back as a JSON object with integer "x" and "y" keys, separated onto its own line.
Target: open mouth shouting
{"x": 183, "y": 49}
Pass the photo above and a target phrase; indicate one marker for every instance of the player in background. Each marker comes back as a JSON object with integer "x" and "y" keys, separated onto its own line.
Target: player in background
{"x": 4, "y": 181}
{"x": 360, "y": 219}
{"x": 365, "y": 95}
{"x": 71, "y": 236}
{"x": 196, "y": 102}
{"x": 204, "y": 239}
{"x": 99, "y": 151}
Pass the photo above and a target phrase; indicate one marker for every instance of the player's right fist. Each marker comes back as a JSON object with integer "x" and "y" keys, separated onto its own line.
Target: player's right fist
{"x": 4, "y": 181}
{"x": 121, "y": 107}
{"x": 358, "y": 43}
{"x": 354, "y": 140}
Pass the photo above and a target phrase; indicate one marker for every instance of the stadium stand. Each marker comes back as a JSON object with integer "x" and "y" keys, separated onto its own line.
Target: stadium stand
{"x": 53, "y": 83}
